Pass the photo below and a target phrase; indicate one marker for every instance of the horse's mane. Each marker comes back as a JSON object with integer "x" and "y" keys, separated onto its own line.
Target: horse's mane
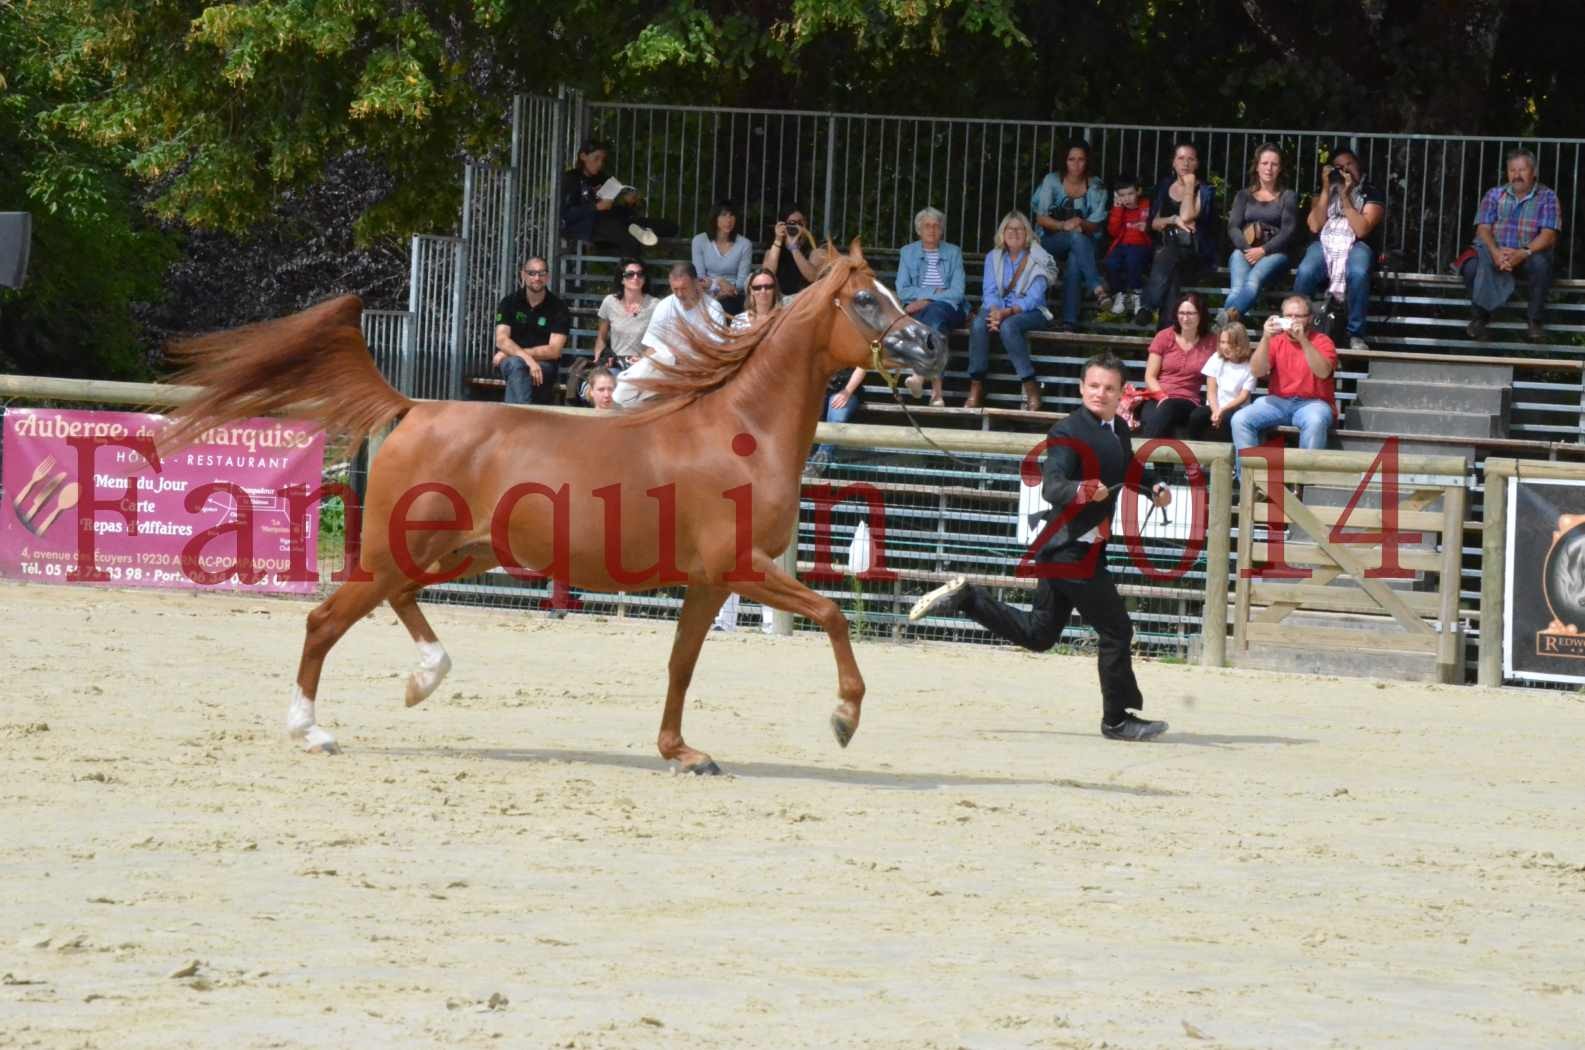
{"x": 707, "y": 365}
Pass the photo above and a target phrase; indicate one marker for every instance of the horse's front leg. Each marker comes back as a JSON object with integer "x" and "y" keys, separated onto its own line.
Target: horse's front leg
{"x": 699, "y": 605}
{"x": 780, "y": 590}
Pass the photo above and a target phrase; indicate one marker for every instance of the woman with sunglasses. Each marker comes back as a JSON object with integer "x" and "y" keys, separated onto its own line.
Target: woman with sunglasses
{"x": 624, "y": 318}
{"x": 763, "y": 298}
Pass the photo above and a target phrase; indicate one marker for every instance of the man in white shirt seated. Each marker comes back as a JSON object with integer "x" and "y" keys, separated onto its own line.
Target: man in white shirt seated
{"x": 666, "y": 337}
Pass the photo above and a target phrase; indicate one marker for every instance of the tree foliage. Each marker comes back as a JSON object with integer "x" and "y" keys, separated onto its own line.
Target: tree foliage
{"x": 239, "y": 119}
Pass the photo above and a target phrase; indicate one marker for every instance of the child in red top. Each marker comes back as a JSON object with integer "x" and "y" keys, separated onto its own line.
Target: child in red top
{"x": 1129, "y": 256}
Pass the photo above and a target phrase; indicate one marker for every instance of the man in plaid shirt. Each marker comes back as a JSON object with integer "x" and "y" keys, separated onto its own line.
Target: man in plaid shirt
{"x": 1515, "y": 229}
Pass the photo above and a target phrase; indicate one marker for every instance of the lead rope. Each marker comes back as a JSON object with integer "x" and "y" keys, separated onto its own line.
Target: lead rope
{"x": 891, "y": 383}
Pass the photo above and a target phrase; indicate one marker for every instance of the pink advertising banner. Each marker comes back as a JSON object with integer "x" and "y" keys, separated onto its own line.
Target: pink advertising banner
{"x": 88, "y": 499}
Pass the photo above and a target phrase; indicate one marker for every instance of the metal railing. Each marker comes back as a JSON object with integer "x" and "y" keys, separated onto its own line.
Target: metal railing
{"x": 867, "y": 175}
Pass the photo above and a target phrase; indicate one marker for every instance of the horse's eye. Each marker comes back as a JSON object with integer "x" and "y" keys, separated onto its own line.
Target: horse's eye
{"x": 865, "y": 298}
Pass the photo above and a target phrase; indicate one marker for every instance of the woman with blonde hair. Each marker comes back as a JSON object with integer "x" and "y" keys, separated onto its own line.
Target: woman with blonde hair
{"x": 1229, "y": 384}
{"x": 1013, "y": 304}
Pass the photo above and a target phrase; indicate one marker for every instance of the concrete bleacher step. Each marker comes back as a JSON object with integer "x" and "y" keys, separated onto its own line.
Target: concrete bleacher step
{"x": 1408, "y": 421}
{"x": 1475, "y": 398}
{"x": 1408, "y": 447}
{"x": 1450, "y": 370}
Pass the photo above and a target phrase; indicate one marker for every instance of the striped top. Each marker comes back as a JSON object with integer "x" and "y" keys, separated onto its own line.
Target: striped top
{"x": 931, "y": 278}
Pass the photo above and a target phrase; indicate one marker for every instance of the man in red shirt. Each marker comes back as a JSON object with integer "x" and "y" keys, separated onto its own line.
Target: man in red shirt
{"x": 1297, "y": 363}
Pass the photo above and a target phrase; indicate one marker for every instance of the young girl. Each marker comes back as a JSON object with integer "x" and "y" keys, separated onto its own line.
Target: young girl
{"x": 1229, "y": 384}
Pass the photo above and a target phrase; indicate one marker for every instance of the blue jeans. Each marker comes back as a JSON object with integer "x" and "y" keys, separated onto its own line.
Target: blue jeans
{"x": 1080, "y": 274}
{"x": 1311, "y": 278}
{"x": 1015, "y": 340}
{"x": 520, "y": 388}
{"x": 1481, "y": 277}
{"x": 1247, "y": 281}
{"x": 833, "y": 414}
{"x": 1312, "y": 417}
{"x": 1126, "y": 265}
{"x": 943, "y": 317}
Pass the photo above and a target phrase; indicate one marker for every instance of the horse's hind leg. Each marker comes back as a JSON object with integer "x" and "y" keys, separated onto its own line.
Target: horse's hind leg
{"x": 433, "y": 660}
{"x": 699, "y": 606}
{"x": 782, "y": 591}
{"x": 326, "y": 624}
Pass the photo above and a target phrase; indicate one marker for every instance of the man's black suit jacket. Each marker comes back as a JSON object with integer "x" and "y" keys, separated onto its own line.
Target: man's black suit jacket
{"x": 1065, "y": 467}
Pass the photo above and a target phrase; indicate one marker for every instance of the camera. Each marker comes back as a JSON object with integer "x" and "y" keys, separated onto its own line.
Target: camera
{"x": 793, "y": 229}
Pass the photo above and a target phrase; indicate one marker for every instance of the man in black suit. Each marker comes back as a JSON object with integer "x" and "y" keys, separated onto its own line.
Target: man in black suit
{"x": 1087, "y": 458}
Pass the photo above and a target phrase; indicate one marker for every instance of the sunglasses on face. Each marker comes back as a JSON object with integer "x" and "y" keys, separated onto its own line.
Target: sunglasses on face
{"x": 626, "y": 274}
{"x": 762, "y": 287}
{"x": 535, "y": 273}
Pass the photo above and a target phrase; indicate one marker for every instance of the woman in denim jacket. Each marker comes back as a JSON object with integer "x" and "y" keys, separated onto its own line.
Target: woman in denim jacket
{"x": 1070, "y": 208}
{"x": 930, "y": 282}
{"x": 1017, "y": 273}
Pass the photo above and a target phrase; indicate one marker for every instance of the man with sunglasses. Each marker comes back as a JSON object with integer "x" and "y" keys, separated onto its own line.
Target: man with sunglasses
{"x": 531, "y": 329}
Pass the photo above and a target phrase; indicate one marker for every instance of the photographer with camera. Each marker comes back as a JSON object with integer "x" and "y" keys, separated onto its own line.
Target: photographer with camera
{"x": 1346, "y": 215}
{"x": 1183, "y": 218}
{"x": 1069, "y": 207}
{"x": 790, "y": 256}
{"x": 1298, "y": 364}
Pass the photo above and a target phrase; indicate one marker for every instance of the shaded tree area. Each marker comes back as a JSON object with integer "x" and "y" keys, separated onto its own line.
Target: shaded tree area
{"x": 194, "y": 165}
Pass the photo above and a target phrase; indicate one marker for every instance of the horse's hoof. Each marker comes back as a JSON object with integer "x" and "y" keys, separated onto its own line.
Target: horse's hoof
{"x": 317, "y": 741}
{"x": 705, "y": 769}
{"x": 431, "y": 671}
{"x": 842, "y": 726}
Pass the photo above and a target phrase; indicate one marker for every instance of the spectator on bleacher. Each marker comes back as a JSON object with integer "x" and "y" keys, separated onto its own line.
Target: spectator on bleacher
{"x": 1298, "y": 363}
{"x": 1013, "y": 304}
{"x": 602, "y": 389}
{"x": 686, "y": 308}
{"x": 791, "y": 254}
{"x": 531, "y": 329}
{"x": 1263, "y": 225}
{"x": 723, "y": 258}
{"x": 1229, "y": 384}
{"x": 624, "y": 318}
{"x": 599, "y": 210}
{"x": 930, "y": 282}
{"x": 1172, "y": 372}
{"x": 1345, "y": 216}
{"x": 1516, "y": 228}
{"x": 1129, "y": 256}
{"x": 1183, "y": 217}
{"x": 764, "y": 297}
{"x": 1070, "y": 209}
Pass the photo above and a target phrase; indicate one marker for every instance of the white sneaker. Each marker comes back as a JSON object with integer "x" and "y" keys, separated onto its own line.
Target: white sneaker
{"x": 944, "y": 600}
{"x": 643, "y": 235}
{"x": 915, "y": 384}
{"x": 1119, "y": 303}
{"x": 1133, "y": 304}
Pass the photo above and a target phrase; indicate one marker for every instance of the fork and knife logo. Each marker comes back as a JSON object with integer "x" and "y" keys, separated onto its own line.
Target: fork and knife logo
{"x": 29, "y": 514}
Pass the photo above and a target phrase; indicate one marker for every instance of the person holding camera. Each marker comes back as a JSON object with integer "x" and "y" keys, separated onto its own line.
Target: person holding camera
{"x": 1298, "y": 364}
{"x": 1516, "y": 228}
{"x": 791, "y": 254}
{"x": 1183, "y": 218}
{"x": 1069, "y": 207}
{"x": 1345, "y": 215}
{"x": 1263, "y": 225}
{"x": 930, "y": 283}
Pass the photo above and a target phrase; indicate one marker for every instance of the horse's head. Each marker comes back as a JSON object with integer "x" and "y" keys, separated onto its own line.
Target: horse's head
{"x": 876, "y": 319}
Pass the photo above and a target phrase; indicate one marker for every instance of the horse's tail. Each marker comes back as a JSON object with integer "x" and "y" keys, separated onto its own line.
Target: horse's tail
{"x": 312, "y": 364}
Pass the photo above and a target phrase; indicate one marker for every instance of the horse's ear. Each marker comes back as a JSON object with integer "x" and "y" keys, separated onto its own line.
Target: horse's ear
{"x": 856, "y": 253}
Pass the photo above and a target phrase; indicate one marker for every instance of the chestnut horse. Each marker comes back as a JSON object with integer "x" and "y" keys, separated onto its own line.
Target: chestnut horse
{"x": 700, "y": 487}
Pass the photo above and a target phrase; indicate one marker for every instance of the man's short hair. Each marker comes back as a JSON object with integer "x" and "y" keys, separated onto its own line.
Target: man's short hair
{"x": 683, "y": 269}
{"x": 1339, "y": 150}
{"x": 593, "y": 145}
{"x": 531, "y": 260}
{"x": 1107, "y": 360}
{"x": 1302, "y": 300}
{"x": 1515, "y": 154}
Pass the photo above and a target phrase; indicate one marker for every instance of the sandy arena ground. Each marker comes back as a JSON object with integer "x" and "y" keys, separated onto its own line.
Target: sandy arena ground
{"x": 1301, "y": 862}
